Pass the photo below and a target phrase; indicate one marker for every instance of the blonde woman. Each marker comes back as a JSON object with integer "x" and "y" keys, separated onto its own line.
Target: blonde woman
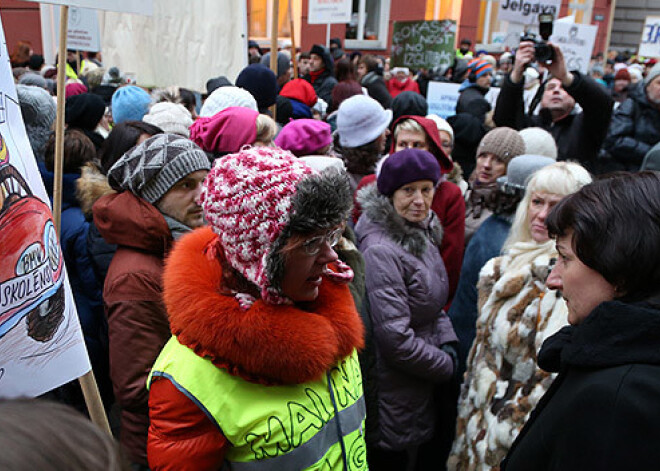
{"x": 516, "y": 314}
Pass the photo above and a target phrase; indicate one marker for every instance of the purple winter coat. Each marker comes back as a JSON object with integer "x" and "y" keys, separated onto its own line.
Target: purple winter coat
{"x": 407, "y": 286}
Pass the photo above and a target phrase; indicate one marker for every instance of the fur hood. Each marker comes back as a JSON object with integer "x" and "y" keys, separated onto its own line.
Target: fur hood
{"x": 269, "y": 344}
{"x": 382, "y": 216}
{"x": 91, "y": 185}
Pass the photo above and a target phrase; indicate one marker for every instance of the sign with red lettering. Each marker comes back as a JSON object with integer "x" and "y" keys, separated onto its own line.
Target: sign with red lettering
{"x": 41, "y": 344}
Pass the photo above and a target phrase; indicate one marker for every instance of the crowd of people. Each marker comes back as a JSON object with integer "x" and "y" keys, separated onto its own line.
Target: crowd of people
{"x": 313, "y": 272}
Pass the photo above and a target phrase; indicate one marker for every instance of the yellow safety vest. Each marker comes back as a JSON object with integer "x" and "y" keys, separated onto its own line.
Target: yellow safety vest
{"x": 289, "y": 427}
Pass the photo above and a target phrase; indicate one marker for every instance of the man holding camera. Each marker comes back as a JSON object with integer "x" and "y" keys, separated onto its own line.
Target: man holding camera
{"x": 578, "y": 134}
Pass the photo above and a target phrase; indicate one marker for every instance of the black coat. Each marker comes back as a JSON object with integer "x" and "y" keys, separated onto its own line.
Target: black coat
{"x": 375, "y": 85}
{"x": 471, "y": 100}
{"x": 634, "y": 130}
{"x": 324, "y": 84}
{"x": 578, "y": 136}
{"x": 602, "y": 411}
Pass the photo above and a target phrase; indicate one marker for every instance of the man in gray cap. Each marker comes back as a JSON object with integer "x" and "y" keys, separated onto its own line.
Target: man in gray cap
{"x": 635, "y": 126}
{"x": 158, "y": 183}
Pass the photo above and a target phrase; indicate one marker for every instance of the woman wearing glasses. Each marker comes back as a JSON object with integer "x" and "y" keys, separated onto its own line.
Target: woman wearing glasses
{"x": 262, "y": 370}
{"x": 406, "y": 287}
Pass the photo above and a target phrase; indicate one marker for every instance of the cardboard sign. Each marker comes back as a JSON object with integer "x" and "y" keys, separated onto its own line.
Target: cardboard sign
{"x": 141, "y": 7}
{"x": 526, "y": 11}
{"x": 443, "y": 96}
{"x": 426, "y": 44}
{"x": 83, "y": 31}
{"x": 329, "y": 11}
{"x": 41, "y": 344}
{"x": 576, "y": 42}
{"x": 649, "y": 45}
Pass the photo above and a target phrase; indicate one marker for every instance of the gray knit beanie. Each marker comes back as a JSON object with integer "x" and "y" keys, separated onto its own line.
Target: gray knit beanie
{"x": 150, "y": 169}
{"x": 38, "y": 109}
{"x": 504, "y": 142}
{"x": 653, "y": 73}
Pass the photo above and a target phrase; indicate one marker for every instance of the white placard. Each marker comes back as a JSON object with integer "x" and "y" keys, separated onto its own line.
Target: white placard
{"x": 649, "y": 45}
{"x": 83, "y": 33}
{"x": 41, "y": 344}
{"x": 329, "y": 11}
{"x": 141, "y": 7}
{"x": 443, "y": 96}
{"x": 576, "y": 42}
{"x": 526, "y": 11}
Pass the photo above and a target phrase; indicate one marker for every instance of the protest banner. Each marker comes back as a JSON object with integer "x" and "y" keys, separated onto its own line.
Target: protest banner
{"x": 423, "y": 44}
{"x": 142, "y": 7}
{"x": 649, "y": 45}
{"x": 576, "y": 42}
{"x": 443, "y": 96}
{"x": 323, "y": 12}
{"x": 526, "y": 11}
{"x": 83, "y": 32}
{"x": 41, "y": 344}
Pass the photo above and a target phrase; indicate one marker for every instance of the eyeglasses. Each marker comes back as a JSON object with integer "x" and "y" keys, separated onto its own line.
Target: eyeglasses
{"x": 314, "y": 245}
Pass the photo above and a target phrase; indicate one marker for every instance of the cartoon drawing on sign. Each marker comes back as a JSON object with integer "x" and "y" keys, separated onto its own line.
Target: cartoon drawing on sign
{"x": 31, "y": 275}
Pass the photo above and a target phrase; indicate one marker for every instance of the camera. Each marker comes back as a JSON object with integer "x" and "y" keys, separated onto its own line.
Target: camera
{"x": 542, "y": 50}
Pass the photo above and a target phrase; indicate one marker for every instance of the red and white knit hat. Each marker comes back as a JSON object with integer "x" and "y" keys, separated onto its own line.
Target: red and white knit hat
{"x": 246, "y": 198}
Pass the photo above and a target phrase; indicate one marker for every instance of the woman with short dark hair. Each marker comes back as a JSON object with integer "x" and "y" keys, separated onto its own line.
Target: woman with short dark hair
{"x": 602, "y": 410}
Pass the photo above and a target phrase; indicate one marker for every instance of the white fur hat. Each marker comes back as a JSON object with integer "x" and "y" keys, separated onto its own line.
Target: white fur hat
{"x": 538, "y": 141}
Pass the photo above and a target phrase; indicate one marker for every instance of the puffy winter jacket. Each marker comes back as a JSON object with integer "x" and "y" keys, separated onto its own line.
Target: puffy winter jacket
{"x": 635, "y": 128}
{"x": 406, "y": 287}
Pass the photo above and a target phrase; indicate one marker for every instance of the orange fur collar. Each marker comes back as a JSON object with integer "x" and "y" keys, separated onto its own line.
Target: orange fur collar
{"x": 271, "y": 344}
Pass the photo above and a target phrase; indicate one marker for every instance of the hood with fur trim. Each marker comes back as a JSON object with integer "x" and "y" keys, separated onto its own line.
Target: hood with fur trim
{"x": 91, "y": 185}
{"x": 269, "y": 344}
{"x": 381, "y": 215}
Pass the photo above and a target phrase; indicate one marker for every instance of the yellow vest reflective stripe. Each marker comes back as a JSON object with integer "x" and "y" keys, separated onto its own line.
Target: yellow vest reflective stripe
{"x": 276, "y": 427}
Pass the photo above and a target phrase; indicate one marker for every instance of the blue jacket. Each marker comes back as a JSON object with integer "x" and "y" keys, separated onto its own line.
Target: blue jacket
{"x": 485, "y": 244}
{"x": 87, "y": 291}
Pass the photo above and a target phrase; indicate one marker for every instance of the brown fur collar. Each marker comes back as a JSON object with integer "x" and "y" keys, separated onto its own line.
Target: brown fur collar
{"x": 283, "y": 344}
{"x": 91, "y": 185}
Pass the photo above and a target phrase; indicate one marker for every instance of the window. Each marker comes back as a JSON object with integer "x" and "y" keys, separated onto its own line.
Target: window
{"x": 260, "y": 20}
{"x": 369, "y": 25}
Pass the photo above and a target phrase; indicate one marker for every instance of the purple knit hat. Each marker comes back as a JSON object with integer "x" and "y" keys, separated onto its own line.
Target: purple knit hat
{"x": 407, "y": 166}
{"x": 304, "y": 137}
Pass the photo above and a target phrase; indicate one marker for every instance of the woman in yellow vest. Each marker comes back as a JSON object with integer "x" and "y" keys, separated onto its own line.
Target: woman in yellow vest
{"x": 261, "y": 372}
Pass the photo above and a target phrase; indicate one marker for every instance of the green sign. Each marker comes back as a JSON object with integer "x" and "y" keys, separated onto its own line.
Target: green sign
{"x": 423, "y": 44}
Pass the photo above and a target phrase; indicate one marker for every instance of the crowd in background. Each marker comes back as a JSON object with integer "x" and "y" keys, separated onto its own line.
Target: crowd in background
{"x": 200, "y": 230}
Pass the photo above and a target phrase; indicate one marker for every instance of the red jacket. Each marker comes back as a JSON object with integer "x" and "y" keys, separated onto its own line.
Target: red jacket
{"x": 395, "y": 86}
{"x": 290, "y": 347}
{"x": 137, "y": 321}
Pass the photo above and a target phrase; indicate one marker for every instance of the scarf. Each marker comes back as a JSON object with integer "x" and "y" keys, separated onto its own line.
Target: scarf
{"x": 315, "y": 75}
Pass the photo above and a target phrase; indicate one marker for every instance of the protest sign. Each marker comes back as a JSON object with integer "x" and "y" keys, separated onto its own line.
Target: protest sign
{"x": 142, "y": 7}
{"x": 329, "y": 11}
{"x": 426, "y": 44}
{"x": 443, "y": 96}
{"x": 576, "y": 42}
{"x": 649, "y": 45}
{"x": 83, "y": 29}
{"x": 41, "y": 344}
{"x": 526, "y": 11}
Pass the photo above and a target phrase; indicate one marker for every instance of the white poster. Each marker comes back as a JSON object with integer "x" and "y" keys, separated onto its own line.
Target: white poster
{"x": 83, "y": 33}
{"x": 649, "y": 45}
{"x": 526, "y": 11}
{"x": 41, "y": 344}
{"x": 142, "y": 7}
{"x": 576, "y": 42}
{"x": 443, "y": 96}
{"x": 329, "y": 11}
{"x": 183, "y": 43}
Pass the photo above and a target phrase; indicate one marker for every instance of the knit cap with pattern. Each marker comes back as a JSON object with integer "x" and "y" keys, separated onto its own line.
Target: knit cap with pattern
{"x": 172, "y": 118}
{"x": 256, "y": 199}
{"x": 226, "y": 97}
{"x": 151, "y": 168}
{"x": 504, "y": 142}
{"x": 38, "y": 109}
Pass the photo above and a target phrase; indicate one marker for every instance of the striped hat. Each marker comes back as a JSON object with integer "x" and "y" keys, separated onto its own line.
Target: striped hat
{"x": 479, "y": 67}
